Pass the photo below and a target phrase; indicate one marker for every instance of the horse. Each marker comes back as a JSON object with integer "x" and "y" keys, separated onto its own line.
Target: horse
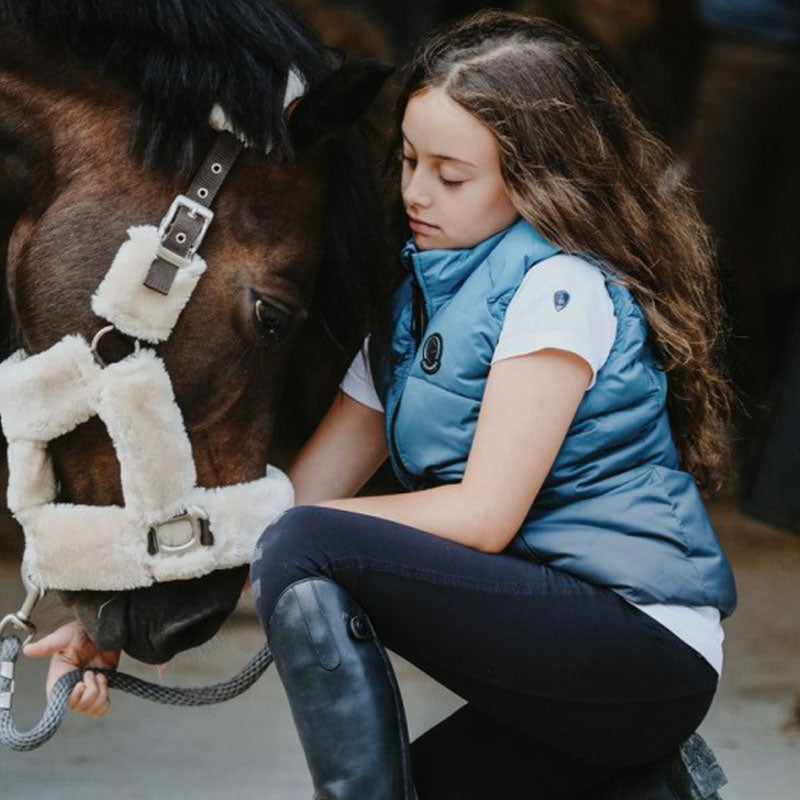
{"x": 104, "y": 118}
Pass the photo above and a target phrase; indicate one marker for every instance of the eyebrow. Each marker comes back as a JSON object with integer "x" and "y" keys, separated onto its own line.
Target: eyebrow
{"x": 441, "y": 156}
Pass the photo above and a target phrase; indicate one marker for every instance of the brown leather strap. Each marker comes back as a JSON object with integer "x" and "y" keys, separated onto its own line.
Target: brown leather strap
{"x": 160, "y": 276}
{"x": 215, "y": 169}
{"x": 186, "y": 223}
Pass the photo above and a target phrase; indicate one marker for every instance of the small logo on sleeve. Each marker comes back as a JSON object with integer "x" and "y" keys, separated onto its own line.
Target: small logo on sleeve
{"x": 560, "y": 299}
{"x": 432, "y": 353}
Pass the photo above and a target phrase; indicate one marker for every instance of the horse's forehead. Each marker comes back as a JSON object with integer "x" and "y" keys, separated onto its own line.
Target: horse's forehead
{"x": 86, "y": 138}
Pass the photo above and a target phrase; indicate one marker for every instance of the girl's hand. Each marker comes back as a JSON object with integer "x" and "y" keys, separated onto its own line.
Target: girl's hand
{"x": 71, "y": 648}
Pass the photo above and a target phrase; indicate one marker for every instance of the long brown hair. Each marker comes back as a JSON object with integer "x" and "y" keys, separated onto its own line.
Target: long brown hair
{"x": 583, "y": 170}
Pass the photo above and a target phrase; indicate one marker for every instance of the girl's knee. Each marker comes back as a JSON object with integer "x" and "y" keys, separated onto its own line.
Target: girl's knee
{"x": 288, "y": 550}
{"x": 289, "y": 528}
{"x": 300, "y": 530}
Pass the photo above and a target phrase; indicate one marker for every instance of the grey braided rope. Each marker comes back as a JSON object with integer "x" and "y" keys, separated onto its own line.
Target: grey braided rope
{"x": 11, "y": 647}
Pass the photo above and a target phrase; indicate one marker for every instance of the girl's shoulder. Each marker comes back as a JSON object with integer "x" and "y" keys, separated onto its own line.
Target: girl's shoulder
{"x": 564, "y": 286}
{"x": 562, "y": 302}
{"x": 577, "y": 269}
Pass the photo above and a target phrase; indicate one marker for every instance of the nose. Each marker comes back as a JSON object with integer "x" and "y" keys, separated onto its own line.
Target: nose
{"x": 415, "y": 191}
{"x": 184, "y": 633}
{"x": 166, "y": 618}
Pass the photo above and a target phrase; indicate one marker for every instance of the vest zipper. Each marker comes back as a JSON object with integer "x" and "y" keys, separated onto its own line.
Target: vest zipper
{"x": 419, "y": 322}
{"x": 419, "y": 316}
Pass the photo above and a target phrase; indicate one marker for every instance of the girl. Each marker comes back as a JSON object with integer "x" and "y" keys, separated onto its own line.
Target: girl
{"x": 547, "y": 391}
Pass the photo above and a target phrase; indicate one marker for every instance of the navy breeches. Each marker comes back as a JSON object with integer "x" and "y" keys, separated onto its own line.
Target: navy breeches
{"x": 566, "y": 683}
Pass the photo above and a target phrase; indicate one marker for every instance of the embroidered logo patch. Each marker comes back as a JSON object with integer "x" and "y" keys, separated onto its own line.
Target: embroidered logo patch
{"x": 432, "y": 353}
{"x": 560, "y": 299}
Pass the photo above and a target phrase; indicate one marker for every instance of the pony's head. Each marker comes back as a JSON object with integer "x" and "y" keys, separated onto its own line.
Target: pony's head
{"x": 104, "y": 118}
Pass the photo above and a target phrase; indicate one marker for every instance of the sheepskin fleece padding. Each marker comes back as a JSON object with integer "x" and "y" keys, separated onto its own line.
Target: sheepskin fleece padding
{"x": 124, "y": 300}
{"x": 137, "y": 405}
{"x": 105, "y": 547}
{"x": 45, "y": 396}
{"x": 83, "y": 547}
{"x": 31, "y": 481}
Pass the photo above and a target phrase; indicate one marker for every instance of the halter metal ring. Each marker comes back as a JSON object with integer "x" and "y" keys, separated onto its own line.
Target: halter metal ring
{"x": 21, "y": 620}
{"x": 20, "y": 623}
{"x": 96, "y": 341}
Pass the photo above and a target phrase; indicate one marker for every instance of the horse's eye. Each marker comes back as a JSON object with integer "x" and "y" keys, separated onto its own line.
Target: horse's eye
{"x": 275, "y": 321}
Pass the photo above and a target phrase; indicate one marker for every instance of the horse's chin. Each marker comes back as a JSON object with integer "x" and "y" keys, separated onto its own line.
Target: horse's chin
{"x": 153, "y": 624}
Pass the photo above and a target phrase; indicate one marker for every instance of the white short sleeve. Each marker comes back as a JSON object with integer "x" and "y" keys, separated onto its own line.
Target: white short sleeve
{"x": 358, "y": 382}
{"x": 562, "y": 303}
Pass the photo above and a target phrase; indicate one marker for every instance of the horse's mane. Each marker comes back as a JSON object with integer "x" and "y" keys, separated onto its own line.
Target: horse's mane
{"x": 180, "y": 57}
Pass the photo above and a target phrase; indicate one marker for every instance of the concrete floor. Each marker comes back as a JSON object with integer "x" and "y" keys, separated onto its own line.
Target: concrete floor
{"x": 247, "y": 748}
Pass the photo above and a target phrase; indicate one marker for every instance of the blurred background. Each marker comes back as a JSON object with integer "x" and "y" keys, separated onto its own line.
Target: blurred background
{"x": 720, "y": 81}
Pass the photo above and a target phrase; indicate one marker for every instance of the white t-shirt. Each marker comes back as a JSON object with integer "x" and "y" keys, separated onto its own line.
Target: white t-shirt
{"x": 563, "y": 303}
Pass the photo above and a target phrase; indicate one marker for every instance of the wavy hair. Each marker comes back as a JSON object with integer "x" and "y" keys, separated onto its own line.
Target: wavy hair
{"x": 582, "y": 169}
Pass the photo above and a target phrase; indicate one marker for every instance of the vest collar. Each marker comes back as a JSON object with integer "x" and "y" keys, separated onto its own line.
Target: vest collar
{"x": 441, "y": 272}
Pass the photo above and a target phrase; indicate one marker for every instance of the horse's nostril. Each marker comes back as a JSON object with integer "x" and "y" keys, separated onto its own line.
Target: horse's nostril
{"x": 165, "y": 618}
{"x": 189, "y": 631}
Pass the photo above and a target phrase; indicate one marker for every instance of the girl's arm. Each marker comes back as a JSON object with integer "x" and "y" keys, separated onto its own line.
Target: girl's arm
{"x": 346, "y": 448}
{"x": 528, "y": 405}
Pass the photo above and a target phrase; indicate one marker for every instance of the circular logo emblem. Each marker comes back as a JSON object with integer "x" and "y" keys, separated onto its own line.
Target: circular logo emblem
{"x": 432, "y": 353}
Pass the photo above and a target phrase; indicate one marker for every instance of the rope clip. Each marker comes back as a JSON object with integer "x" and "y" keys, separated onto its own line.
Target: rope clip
{"x": 21, "y": 620}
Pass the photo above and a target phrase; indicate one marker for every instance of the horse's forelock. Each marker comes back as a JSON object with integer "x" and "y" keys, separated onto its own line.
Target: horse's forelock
{"x": 181, "y": 57}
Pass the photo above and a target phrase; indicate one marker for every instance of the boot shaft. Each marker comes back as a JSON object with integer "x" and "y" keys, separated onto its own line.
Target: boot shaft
{"x": 342, "y": 693}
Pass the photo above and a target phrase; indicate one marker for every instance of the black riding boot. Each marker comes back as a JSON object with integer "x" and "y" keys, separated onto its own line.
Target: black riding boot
{"x": 343, "y": 694}
{"x": 690, "y": 773}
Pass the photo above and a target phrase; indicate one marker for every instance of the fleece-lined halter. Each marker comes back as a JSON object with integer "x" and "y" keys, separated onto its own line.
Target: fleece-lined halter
{"x": 168, "y": 528}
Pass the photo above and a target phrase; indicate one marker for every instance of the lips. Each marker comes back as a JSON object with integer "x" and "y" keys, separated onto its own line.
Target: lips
{"x": 420, "y": 225}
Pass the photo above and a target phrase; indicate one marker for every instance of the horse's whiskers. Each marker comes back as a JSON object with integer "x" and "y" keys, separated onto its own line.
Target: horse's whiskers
{"x": 100, "y": 609}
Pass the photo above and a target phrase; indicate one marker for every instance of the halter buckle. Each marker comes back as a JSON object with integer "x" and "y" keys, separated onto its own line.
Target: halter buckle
{"x": 194, "y": 209}
{"x": 180, "y": 534}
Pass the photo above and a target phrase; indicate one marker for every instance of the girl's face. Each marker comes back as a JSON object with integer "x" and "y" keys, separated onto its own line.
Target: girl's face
{"x": 452, "y": 189}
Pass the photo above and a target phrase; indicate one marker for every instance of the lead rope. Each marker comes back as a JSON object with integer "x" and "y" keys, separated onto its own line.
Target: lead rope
{"x": 11, "y": 647}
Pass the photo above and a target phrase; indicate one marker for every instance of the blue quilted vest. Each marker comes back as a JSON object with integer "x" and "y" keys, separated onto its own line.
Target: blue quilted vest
{"x": 615, "y": 509}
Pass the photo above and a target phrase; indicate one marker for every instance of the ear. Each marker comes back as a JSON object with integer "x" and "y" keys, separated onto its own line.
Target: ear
{"x": 336, "y": 102}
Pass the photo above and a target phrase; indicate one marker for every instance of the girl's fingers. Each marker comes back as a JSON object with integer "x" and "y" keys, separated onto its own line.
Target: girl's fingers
{"x": 94, "y": 699}
{"x": 87, "y": 698}
{"x": 53, "y": 643}
{"x": 103, "y": 702}
{"x": 75, "y": 695}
